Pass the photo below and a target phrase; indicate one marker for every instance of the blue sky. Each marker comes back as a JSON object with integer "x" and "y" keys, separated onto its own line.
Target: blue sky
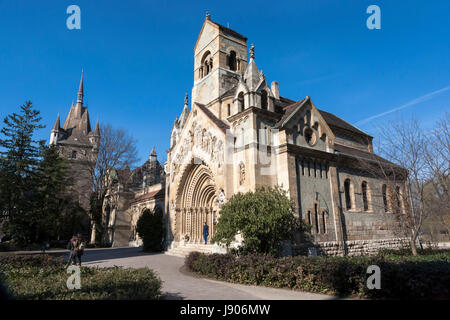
{"x": 137, "y": 58}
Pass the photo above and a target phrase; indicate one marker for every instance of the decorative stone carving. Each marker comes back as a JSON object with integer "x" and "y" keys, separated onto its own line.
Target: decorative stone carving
{"x": 221, "y": 198}
{"x": 241, "y": 173}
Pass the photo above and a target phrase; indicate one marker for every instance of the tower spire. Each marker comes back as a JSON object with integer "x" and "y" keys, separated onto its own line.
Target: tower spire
{"x": 80, "y": 90}
{"x": 97, "y": 130}
{"x": 153, "y": 155}
{"x": 56, "y": 125}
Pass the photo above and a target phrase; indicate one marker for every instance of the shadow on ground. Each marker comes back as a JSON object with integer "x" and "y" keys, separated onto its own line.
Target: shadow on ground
{"x": 109, "y": 255}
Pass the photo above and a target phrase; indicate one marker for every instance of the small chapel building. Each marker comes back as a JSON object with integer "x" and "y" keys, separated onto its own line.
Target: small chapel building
{"x": 239, "y": 133}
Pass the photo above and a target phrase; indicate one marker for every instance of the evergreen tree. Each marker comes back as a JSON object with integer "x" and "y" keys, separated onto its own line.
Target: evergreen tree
{"x": 264, "y": 218}
{"x": 150, "y": 228}
{"x": 53, "y": 202}
{"x": 19, "y": 155}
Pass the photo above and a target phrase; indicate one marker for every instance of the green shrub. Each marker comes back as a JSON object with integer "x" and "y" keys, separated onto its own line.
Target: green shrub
{"x": 423, "y": 277}
{"x": 150, "y": 228}
{"x": 39, "y": 277}
{"x": 264, "y": 218}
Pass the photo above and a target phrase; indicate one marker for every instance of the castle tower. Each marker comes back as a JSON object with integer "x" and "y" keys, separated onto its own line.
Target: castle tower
{"x": 79, "y": 144}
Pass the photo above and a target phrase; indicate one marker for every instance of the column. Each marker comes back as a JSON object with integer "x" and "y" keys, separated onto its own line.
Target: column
{"x": 190, "y": 224}
{"x": 337, "y": 215}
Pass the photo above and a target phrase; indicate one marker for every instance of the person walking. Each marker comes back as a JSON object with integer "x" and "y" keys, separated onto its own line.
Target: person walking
{"x": 78, "y": 249}
{"x": 205, "y": 232}
{"x": 70, "y": 247}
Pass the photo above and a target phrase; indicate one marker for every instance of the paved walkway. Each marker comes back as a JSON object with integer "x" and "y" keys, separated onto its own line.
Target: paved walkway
{"x": 181, "y": 285}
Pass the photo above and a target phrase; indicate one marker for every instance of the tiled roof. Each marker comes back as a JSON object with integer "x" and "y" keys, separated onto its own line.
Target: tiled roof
{"x": 361, "y": 154}
{"x": 222, "y": 125}
{"x": 331, "y": 119}
{"x": 229, "y": 31}
{"x": 149, "y": 195}
{"x": 335, "y": 121}
{"x": 288, "y": 110}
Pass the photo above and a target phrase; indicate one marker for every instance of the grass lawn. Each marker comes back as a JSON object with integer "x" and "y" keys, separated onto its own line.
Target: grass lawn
{"x": 45, "y": 277}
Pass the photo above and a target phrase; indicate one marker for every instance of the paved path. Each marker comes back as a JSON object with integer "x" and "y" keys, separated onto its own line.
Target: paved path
{"x": 182, "y": 285}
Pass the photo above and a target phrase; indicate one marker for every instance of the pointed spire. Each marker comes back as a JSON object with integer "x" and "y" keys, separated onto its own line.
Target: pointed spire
{"x": 97, "y": 129}
{"x": 185, "y": 113}
{"x": 153, "y": 155}
{"x": 80, "y": 90}
{"x": 56, "y": 126}
{"x": 252, "y": 76}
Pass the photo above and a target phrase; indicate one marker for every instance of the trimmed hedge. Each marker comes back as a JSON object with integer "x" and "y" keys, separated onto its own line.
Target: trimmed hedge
{"x": 422, "y": 277}
{"x": 41, "y": 276}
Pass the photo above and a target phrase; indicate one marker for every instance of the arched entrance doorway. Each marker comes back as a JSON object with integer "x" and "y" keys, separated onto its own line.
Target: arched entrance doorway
{"x": 196, "y": 203}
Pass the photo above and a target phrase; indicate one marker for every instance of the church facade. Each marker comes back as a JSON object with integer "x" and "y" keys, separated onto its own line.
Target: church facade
{"x": 238, "y": 133}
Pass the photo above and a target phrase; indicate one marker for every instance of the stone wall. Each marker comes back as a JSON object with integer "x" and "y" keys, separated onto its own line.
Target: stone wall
{"x": 355, "y": 247}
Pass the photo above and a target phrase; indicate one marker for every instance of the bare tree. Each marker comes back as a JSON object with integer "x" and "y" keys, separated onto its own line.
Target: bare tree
{"x": 404, "y": 172}
{"x": 117, "y": 149}
{"x": 438, "y": 184}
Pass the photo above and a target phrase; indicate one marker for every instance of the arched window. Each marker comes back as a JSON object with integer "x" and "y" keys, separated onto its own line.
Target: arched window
{"x": 107, "y": 214}
{"x": 348, "y": 190}
{"x": 74, "y": 154}
{"x": 264, "y": 99}
{"x": 228, "y": 110}
{"x": 316, "y": 218}
{"x": 385, "y": 200}
{"x": 232, "y": 60}
{"x": 324, "y": 224}
{"x": 364, "y": 196}
{"x": 398, "y": 200}
{"x": 241, "y": 102}
{"x": 206, "y": 65}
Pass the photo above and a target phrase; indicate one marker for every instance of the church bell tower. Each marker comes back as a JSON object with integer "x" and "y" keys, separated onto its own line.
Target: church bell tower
{"x": 220, "y": 55}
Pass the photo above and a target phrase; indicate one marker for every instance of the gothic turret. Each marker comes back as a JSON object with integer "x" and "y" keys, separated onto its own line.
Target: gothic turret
{"x": 96, "y": 136}
{"x": 54, "y": 135}
{"x": 153, "y": 155}
{"x": 185, "y": 113}
{"x": 252, "y": 76}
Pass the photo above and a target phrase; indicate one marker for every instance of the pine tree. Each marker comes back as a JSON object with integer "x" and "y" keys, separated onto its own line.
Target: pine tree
{"x": 19, "y": 156}
{"x": 53, "y": 202}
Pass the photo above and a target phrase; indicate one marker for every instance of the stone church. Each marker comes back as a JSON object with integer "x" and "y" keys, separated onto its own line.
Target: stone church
{"x": 238, "y": 133}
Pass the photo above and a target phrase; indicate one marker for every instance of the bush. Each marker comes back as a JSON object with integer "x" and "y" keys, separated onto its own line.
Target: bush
{"x": 423, "y": 277}
{"x": 264, "y": 218}
{"x": 44, "y": 277}
{"x": 150, "y": 228}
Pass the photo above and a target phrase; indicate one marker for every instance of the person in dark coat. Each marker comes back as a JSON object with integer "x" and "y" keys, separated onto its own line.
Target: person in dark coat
{"x": 205, "y": 232}
{"x": 78, "y": 246}
{"x": 70, "y": 247}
